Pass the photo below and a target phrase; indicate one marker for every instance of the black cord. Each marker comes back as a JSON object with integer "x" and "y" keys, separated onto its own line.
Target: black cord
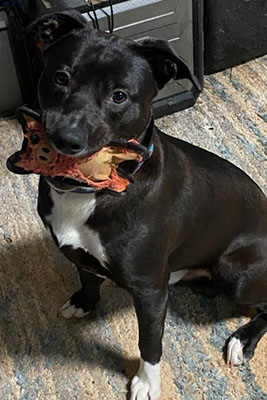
{"x": 110, "y": 16}
{"x": 92, "y": 19}
{"x": 111, "y": 25}
{"x": 96, "y": 24}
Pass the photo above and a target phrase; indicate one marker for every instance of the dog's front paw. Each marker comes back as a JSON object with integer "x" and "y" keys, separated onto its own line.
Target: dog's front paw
{"x": 69, "y": 310}
{"x": 146, "y": 383}
{"x": 79, "y": 305}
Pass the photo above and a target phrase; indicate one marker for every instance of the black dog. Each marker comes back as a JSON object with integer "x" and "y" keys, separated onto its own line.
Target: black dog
{"x": 188, "y": 213}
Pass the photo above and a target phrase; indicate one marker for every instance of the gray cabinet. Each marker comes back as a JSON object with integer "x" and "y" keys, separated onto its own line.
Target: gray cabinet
{"x": 10, "y": 95}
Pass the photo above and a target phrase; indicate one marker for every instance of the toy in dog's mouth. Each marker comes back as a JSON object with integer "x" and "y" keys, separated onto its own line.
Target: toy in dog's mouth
{"x": 98, "y": 171}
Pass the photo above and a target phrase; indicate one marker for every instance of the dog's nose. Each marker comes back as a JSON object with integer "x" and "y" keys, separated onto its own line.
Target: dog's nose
{"x": 69, "y": 141}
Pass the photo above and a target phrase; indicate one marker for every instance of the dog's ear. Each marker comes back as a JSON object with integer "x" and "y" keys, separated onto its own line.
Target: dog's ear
{"x": 165, "y": 64}
{"x": 51, "y": 27}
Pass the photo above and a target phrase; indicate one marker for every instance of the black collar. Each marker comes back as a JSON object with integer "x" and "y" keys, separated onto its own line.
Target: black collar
{"x": 127, "y": 169}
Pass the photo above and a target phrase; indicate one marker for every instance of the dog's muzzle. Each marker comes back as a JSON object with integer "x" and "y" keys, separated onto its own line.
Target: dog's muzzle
{"x": 111, "y": 167}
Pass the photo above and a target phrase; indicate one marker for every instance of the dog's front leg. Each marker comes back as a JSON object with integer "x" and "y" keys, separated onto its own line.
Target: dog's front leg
{"x": 85, "y": 300}
{"x": 150, "y": 305}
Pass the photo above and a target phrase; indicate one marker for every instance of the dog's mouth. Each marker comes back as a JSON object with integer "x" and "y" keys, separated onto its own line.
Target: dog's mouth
{"x": 100, "y": 170}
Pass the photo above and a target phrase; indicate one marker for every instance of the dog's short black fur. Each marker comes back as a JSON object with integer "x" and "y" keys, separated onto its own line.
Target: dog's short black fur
{"x": 188, "y": 210}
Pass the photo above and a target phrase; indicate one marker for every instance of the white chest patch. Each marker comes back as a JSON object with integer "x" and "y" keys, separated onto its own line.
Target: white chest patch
{"x": 68, "y": 220}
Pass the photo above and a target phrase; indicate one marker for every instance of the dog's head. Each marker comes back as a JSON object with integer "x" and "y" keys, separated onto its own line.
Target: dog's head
{"x": 97, "y": 87}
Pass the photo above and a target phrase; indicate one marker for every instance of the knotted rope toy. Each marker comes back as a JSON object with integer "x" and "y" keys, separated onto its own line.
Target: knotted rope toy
{"x": 98, "y": 171}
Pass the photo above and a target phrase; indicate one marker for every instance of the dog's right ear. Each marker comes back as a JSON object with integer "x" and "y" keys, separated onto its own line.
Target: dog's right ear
{"x": 51, "y": 27}
{"x": 164, "y": 62}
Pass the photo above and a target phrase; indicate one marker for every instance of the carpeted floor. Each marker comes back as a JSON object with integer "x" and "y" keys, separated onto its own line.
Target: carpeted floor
{"x": 43, "y": 356}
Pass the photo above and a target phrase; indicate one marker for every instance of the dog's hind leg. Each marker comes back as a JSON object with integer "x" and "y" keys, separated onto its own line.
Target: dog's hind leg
{"x": 242, "y": 344}
{"x": 242, "y": 272}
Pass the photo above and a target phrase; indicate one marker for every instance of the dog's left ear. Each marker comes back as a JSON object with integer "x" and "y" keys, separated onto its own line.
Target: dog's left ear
{"x": 165, "y": 64}
{"x": 51, "y": 27}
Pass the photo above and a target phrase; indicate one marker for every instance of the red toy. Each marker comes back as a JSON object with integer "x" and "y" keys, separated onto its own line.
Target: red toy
{"x": 99, "y": 170}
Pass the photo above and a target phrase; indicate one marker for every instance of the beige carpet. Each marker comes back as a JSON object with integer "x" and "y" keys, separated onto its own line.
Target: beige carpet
{"x": 42, "y": 356}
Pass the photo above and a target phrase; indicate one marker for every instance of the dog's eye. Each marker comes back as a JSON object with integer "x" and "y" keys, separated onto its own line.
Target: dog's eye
{"x": 62, "y": 78}
{"x": 119, "y": 97}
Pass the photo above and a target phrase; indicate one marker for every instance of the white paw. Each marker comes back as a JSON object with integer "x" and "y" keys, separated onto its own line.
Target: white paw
{"x": 70, "y": 311}
{"x": 146, "y": 383}
{"x": 235, "y": 352}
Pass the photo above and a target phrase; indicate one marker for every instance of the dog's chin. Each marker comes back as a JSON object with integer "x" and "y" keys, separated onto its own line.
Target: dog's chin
{"x": 65, "y": 184}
